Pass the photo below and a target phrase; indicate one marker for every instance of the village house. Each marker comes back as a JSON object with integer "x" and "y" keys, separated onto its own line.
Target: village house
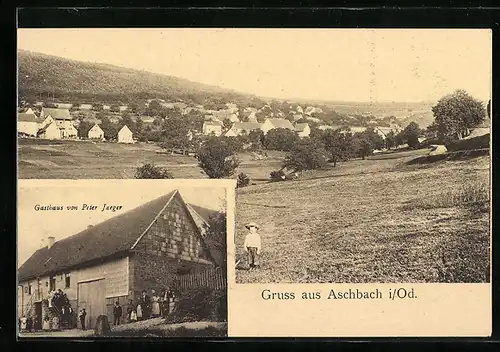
{"x": 212, "y": 128}
{"x": 239, "y": 128}
{"x": 122, "y": 108}
{"x": 96, "y": 132}
{"x": 62, "y": 119}
{"x": 302, "y": 129}
{"x": 106, "y": 107}
{"x": 85, "y": 107}
{"x": 270, "y": 124}
{"x": 125, "y": 135}
{"x": 149, "y": 247}
{"x": 50, "y": 131}
{"x": 64, "y": 105}
{"x": 27, "y": 124}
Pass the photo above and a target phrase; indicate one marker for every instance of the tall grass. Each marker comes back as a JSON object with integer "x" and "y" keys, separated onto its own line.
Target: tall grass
{"x": 472, "y": 194}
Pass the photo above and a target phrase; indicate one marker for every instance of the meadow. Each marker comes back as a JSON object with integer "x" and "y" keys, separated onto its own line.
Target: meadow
{"x": 384, "y": 219}
{"x": 374, "y": 220}
{"x": 68, "y": 159}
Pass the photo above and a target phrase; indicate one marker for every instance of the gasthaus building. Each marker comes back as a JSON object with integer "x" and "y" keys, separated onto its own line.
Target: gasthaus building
{"x": 142, "y": 249}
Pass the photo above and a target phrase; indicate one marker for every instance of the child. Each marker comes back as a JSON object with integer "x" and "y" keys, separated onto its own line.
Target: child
{"x": 133, "y": 316}
{"x": 252, "y": 245}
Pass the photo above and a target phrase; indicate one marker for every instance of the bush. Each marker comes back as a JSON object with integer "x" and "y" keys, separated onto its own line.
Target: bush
{"x": 201, "y": 304}
{"x": 480, "y": 142}
{"x": 151, "y": 171}
{"x": 278, "y": 175}
{"x": 243, "y": 180}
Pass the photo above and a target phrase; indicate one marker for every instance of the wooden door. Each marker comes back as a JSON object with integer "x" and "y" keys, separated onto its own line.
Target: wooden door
{"x": 92, "y": 297}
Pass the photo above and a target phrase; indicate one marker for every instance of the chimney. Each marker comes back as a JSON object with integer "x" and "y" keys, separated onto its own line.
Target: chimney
{"x": 90, "y": 226}
{"x": 51, "y": 242}
{"x": 42, "y": 244}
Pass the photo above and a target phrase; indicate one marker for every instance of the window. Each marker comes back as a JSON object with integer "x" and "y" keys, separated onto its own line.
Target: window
{"x": 52, "y": 283}
{"x": 29, "y": 288}
{"x": 67, "y": 279}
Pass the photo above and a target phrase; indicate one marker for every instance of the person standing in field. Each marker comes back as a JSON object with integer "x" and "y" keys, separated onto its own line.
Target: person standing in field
{"x": 252, "y": 245}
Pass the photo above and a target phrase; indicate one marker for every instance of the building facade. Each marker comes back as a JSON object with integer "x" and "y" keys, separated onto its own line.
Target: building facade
{"x": 147, "y": 248}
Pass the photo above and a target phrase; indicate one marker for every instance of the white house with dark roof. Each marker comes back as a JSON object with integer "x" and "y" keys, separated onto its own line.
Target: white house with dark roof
{"x": 149, "y": 247}
{"x": 62, "y": 119}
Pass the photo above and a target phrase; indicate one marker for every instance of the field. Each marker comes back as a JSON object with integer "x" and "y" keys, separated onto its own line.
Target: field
{"x": 377, "y": 220}
{"x": 86, "y": 160}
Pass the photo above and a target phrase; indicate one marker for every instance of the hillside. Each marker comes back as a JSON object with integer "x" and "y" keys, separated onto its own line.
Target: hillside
{"x": 80, "y": 81}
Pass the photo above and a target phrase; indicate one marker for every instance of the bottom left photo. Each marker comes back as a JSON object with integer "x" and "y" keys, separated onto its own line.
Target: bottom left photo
{"x": 111, "y": 258}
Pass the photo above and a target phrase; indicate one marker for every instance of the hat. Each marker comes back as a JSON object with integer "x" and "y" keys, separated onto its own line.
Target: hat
{"x": 251, "y": 224}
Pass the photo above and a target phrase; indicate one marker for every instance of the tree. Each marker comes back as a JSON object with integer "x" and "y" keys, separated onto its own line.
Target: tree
{"x": 376, "y": 141}
{"x": 139, "y": 128}
{"x": 151, "y": 171}
{"x": 115, "y": 108}
{"x": 455, "y": 114}
{"x": 155, "y": 109}
{"x": 226, "y": 124}
{"x": 256, "y": 138}
{"x": 399, "y": 139}
{"x": 97, "y": 107}
{"x": 216, "y": 236}
{"x": 390, "y": 140}
{"x": 84, "y": 128}
{"x": 243, "y": 180}
{"x": 280, "y": 139}
{"x": 411, "y": 134}
{"x": 362, "y": 145}
{"x": 217, "y": 158}
{"x": 109, "y": 128}
{"x": 306, "y": 154}
{"x": 174, "y": 133}
{"x": 338, "y": 144}
{"x": 127, "y": 120}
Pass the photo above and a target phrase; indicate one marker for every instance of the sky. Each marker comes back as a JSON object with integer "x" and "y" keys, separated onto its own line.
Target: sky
{"x": 35, "y": 226}
{"x": 366, "y": 65}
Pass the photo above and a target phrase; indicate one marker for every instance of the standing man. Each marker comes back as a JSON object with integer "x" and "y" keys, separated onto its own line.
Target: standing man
{"x": 117, "y": 313}
{"x": 82, "y": 315}
{"x": 252, "y": 245}
{"x": 145, "y": 303}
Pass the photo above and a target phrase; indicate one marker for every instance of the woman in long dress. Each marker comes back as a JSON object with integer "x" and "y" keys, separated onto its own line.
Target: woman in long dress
{"x": 139, "y": 312}
{"x": 155, "y": 309}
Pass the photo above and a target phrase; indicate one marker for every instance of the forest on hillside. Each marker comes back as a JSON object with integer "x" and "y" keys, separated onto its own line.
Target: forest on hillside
{"x": 42, "y": 76}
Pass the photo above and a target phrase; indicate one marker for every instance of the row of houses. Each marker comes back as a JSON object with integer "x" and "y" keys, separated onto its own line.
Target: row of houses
{"x": 148, "y": 248}
{"x": 55, "y": 123}
{"x": 302, "y": 129}
{"x": 120, "y": 108}
{"x": 50, "y": 124}
{"x": 239, "y": 128}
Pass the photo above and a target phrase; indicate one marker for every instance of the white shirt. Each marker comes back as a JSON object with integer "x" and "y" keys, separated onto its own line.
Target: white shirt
{"x": 252, "y": 240}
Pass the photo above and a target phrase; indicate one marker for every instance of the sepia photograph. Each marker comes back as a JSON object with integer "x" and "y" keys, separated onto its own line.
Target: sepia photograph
{"x": 136, "y": 258}
{"x": 359, "y": 160}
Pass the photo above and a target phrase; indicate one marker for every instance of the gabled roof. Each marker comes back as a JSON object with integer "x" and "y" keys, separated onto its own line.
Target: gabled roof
{"x": 57, "y": 114}
{"x": 300, "y": 127}
{"x": 45, "y": 128}
{"x": 125, "y": 129}
{"x": 247, "y": 126}
{"x": 115, "y": 236}
{"x": 281, "y": 123}
{"x": 27, "y": 117}
{"x": 96, "y": 127}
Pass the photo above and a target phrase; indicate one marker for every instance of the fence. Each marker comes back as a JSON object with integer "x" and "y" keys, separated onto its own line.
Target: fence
{"x": 214, "y": 278}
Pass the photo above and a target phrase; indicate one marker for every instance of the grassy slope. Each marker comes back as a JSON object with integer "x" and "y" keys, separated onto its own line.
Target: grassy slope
{"x": 369, "y": 221}
{"x": 93, "y": 79}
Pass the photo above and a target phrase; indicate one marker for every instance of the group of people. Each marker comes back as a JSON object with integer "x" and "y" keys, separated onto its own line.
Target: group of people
{"x": 60, "y": 301}
{"x": 146, "y": 307}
